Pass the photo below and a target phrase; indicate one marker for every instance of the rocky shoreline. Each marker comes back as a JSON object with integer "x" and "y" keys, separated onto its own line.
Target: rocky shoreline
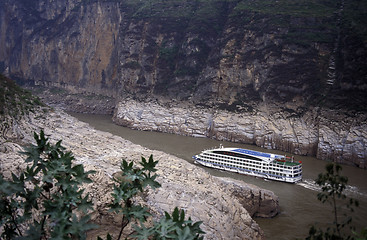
{"x": 225, "y": 206}
{"x": 321, "y": 133}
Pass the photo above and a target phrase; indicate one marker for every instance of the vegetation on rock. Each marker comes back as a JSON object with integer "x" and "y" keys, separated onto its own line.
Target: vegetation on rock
{"x": 333, "y": 185}
{"x": 47, "y": 200}
{"x": 14, "y": 100}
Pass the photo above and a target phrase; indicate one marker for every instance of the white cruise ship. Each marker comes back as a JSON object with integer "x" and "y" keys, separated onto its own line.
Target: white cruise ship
{"x": 249, "y": 162}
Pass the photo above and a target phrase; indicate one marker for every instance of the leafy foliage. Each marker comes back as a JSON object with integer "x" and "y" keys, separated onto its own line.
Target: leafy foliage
{"x": 134, "y": 180}
{"x": 171, "y": 227}
{"x": 333, "y": 185}
{"x": 15, "y": 101}
{"x": 45, "y": 201}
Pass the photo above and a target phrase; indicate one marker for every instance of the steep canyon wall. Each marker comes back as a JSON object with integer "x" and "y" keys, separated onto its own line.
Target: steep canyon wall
{"x": 289, "y": 75}
{"x": 321, "y": 133}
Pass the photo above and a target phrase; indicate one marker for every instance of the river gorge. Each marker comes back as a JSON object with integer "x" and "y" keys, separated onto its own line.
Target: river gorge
{"x": 289, "y": 78}
{"x": 299, "y": 207}
{"x": 205, "y": 194}
{"x": 225, "y": 206}
{"x": 176, "y": 77}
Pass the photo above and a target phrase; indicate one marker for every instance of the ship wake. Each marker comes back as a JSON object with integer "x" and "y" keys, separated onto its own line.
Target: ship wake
{"x": 350, "y": 191}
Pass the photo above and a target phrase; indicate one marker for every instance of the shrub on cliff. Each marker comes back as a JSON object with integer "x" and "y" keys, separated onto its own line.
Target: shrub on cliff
{"x": 333, "y": 184}
{"x": 15, "y": 101}
{"x": 46, "y": 200}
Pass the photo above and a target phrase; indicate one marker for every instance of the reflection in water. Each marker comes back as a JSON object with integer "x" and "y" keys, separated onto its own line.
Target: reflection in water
{"x": 298, "y": 202}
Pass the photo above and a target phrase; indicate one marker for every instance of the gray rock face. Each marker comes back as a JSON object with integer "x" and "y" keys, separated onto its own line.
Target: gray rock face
{"x": 225, "y": 206}
{"x": 342, "y": 139}
{"x": 217, "y": 51}
{"x": 258, "y": 202}
{"x": 238, "y": 55}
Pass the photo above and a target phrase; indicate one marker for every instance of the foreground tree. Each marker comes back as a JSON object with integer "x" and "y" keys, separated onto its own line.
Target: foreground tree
{"x": 127, "y": 185}
{"x": 46, "y": 201}
{"x": 333, "y": 185}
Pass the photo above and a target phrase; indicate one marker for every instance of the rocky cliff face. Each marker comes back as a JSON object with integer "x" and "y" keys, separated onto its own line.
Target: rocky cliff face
{"x": 322, "y": 133}
{"x": 60, "y": 43}
{"x": 300, "y": 62}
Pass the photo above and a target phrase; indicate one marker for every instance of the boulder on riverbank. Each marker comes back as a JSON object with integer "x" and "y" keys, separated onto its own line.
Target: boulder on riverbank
{"x": 225, "y": 213}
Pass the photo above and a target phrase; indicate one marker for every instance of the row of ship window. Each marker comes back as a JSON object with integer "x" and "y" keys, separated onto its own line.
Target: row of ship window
{"x": 251, "y": 163}
{"x": 233, "y": 162}
{"x": 231, "y": 165}
{"x": 249, "y": 167}
{"x": 280, "y": 174}
{"x": 214, "y": 157}
{"x": 254, "y": 169}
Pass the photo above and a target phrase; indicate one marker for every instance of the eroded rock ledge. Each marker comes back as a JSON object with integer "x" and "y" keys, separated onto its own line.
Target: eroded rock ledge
{"x": 225, "y": 206}
{"x": 322, "y": 133}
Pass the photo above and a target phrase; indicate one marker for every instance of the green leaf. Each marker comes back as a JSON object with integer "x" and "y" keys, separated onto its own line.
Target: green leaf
{"x": 84, "y": 204}
{"x": 9, "y": 188}
{"x": 31, "y": 198}
{"x": 195, "y": 228}
{"x": 126, "y": 167}
{"x": 79, "y": 227}
{"x": 80, "y": 175}
{"x": 123, "y": 192}
{"x": 166, "y": 229}
{"x": 136, "y": 212}
{"x": 150, "y": 165}
{"x": 42, "y": 141}
{"x": 150, "y": 181}
{"x": 142, "y": 233}
{"x": 177, "y": 215}
{"x": 185, "y": 234}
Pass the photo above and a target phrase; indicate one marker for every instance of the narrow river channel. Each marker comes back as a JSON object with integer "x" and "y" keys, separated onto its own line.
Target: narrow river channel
{"x": 299, "y": 205}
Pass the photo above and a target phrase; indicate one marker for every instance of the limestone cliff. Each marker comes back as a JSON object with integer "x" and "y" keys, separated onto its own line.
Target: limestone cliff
{"x": 231, "y": 52}
{"x": 323, "y": 133}
{"x": 302, "y": 62}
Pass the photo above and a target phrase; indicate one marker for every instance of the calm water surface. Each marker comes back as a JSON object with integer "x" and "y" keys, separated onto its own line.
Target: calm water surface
{"x": 298, "y": 202}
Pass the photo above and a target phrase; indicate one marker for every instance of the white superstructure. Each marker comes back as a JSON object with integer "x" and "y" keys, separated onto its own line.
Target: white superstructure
{"x": 254, "y": 163}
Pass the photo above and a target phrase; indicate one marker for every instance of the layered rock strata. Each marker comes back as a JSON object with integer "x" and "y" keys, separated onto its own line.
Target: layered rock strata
{"x": 322, "y": 133}
{"x": 240, "y": 55}
{"x": 224, "y": 206}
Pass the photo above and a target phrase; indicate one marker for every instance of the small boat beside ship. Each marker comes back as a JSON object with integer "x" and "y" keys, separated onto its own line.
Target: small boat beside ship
{"x": 253, "y": 163}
